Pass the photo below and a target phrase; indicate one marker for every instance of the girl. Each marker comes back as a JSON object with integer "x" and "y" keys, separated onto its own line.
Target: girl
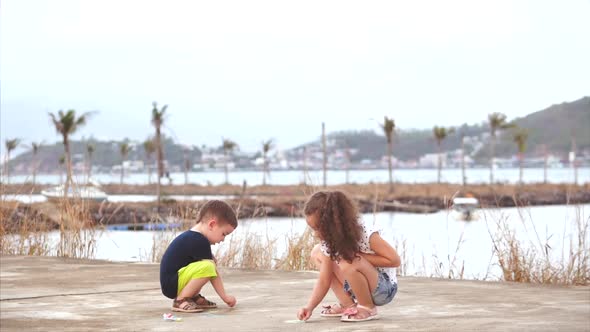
{"x": 354, "y": 261}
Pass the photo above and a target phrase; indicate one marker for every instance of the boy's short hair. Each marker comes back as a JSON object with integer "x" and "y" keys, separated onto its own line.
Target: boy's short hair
{"x": 220, "y": 210}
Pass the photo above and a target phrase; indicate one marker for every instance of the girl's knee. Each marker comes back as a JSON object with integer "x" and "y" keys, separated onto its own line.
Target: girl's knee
{"x": 316, "y": 252}
{"x": 346, "y": 267}
{"x": 317, "y": 256}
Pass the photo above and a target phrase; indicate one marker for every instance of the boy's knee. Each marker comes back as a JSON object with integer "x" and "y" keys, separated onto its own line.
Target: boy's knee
{"x": 209, "y": 263}
{"x": 209, "y": 267}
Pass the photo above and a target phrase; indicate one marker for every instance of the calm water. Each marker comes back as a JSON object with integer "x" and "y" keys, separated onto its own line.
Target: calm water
{"x": 424, "y": 242}
{"x": 122, "y": 198}
{"x": 477, "y": 175}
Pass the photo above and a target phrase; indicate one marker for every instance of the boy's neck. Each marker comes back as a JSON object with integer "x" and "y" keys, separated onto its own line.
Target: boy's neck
{"x": 201, "y": 228}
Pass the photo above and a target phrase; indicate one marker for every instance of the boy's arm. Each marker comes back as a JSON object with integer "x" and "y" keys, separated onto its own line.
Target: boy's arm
{"x": 385, "y": 255}
{"x": 217, "y": 284}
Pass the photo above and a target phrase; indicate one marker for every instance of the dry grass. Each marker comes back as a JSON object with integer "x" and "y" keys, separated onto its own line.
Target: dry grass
{"x": 247, "y": 252}
{"x": 26, "y": 231}
{"x": 297, "y": 255}
{"x": 433, "y": 190}
{"x": 77, "y": 234}
{"x": 28, "y": 237}
{"x": 519, "y": 260}
{"x": 532, "y": 261}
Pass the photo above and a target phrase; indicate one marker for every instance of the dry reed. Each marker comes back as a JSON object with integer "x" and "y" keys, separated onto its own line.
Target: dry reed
{"x": 532, "y": 261}
{"x": 28, "y": 235}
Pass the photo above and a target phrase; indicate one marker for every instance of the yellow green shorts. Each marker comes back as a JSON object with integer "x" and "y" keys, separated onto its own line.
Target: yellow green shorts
{"x": 196, "y": 270}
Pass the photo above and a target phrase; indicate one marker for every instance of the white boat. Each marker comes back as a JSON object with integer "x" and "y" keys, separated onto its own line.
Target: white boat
{"x": 88, "y": 192}
{"x": 464, "y": 208}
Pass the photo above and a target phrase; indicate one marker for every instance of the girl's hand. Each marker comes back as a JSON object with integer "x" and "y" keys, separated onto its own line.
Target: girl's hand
{"x": 304, "y": 313}
{"x": 229, "y": 300}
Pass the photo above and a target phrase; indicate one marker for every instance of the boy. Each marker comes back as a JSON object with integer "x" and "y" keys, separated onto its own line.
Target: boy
{"x": 188, "y": 264}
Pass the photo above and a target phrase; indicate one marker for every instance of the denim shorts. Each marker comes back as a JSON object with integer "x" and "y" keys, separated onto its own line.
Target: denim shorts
{"x": 384, "y": 292}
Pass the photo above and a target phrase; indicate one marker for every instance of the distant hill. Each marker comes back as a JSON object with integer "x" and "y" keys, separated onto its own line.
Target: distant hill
{"x": 554, "y": 126}
{"x": 106, "y": 153}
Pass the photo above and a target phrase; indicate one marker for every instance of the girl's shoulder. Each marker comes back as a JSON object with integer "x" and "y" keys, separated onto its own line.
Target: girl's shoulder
{"x": 369, "y": 228}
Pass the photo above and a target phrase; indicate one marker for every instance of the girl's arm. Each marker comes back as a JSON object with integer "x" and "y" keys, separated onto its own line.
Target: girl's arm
{"x": 385, "y": 255}
{"x": 322, "y": 285}
{"x": 320, "y": 290}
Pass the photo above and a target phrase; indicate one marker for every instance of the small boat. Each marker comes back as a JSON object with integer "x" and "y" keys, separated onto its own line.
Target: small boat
{"x": 464, "y": 208}
{"x": 88, "y": 192}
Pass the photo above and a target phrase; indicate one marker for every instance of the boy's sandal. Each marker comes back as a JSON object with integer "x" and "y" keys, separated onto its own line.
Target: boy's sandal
{"x": 359, "y": 314}
{"x": 333, "y": 310}
{"x": 203, "y": 303}
{"x": 185, "y": 304}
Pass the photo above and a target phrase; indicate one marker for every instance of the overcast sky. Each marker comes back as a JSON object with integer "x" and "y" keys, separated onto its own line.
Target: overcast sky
{"x": 254, "y": 70}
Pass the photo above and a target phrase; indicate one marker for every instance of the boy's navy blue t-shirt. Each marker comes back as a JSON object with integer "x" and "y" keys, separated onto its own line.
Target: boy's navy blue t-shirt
{"x": 188, "y": 247}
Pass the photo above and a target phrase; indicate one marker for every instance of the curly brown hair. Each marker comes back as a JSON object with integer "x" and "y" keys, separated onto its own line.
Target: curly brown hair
{"x": 338, "y": 223}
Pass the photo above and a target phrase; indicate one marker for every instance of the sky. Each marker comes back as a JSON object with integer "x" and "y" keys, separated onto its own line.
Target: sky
{"x": 257, "y": 70}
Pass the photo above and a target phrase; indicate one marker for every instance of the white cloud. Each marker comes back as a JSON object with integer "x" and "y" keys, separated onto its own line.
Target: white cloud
{"x": 260, "y": 69}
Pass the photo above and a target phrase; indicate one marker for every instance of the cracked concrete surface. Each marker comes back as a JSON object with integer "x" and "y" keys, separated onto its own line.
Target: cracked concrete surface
{"x": 54, "y": 294}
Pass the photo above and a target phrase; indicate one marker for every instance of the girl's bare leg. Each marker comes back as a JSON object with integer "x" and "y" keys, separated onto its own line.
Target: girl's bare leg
{"x": 362, "y": 278}
{"x": 337, "y": 282}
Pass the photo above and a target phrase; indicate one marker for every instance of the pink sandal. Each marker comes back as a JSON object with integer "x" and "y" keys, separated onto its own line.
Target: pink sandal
{"x": 334, "y": 310}
{"x": 355, "y": 315}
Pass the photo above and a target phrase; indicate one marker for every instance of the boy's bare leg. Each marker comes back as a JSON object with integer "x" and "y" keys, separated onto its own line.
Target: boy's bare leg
{"x": 193, "y": 287}
{"x": 362, "y": 278}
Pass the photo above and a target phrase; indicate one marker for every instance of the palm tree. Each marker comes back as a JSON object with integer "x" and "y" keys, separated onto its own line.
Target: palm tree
{"x": 150, "y": 147}
{"x": 124, "y": 149}
{"x": 10, "y": 144}
{"x": 325, "y": 154}
{"x": 440, "y": 133}
{"x": 89, "y": 152}
{"x": 305, "y": 165}
{"x": 347, "y": 170}
{"x": 228, "y": 146}
{"x": 35, "y": 149}
{"x": 157, "y": 122}
{"x": 520, "y": 137}
{"x": 462, "y": 134}
{"x": 545, "y": 163}
{"x": 573, "y": 161}
{"x": 187, "y": 164}
{"x": 497, "y": 121}
{"x": 62, "y": 161}
{"x": 388, "y": 127}
{"x": 66, "y": 124}
{"x": 266, "y": 147}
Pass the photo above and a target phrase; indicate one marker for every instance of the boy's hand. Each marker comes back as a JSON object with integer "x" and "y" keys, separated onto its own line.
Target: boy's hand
{"x": 304, "y": 313}
{"x": 230, "y": 300}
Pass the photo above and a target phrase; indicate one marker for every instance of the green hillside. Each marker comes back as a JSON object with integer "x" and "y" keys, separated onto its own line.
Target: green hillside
{"x": 106, "y": 154}
{"x": 554, "y": 126}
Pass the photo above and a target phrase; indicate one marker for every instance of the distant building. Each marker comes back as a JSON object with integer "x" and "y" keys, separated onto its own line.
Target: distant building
{"x": 430, "y": 160}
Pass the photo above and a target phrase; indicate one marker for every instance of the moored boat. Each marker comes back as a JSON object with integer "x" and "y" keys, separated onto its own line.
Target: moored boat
{"x": 464, "y": 208}
{"x": 88, "y": 192}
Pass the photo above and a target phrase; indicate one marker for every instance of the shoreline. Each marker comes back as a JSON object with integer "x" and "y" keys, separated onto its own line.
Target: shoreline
{"x": 282, "y": 201}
